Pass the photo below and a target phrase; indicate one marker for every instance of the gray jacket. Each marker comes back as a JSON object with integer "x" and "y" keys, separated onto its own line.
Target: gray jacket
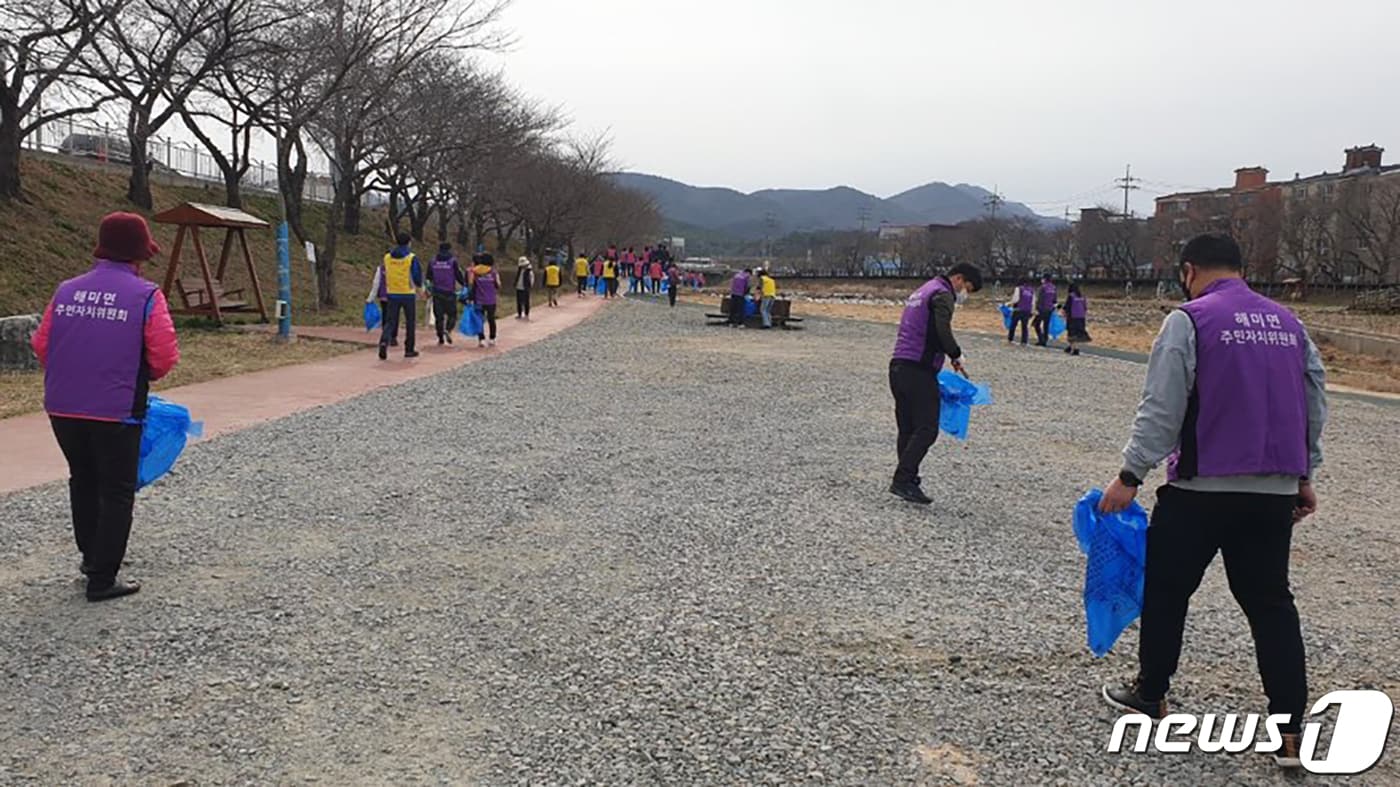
{"x": 1171, "y": 376}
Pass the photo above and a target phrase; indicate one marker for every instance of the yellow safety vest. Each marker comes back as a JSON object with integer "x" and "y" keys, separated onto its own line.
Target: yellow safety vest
{"x": 551, "y": 275}
{"x": 581, "y": 267}
{"x": 398, "y": 274}
{"x": 770, "y": 287}
{"x": 609, "y": 270}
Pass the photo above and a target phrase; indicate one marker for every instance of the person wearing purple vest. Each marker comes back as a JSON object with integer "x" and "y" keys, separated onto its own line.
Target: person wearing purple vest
{"x": 1044, "y": 310}
{"x": 485, "y": 282}
{"x": 445, "y": 277}
{"x": 1235, "y": 401}
{"x": 924, "y": 340}
{"x": 1022, "y": 299}
{"x": 738, "y": 294}
{"x": 1076, "y": 309}
{"x": 104, "y": 337}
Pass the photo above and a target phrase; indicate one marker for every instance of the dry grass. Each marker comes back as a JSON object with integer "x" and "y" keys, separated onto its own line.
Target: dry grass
{"x": 204, "y": 355}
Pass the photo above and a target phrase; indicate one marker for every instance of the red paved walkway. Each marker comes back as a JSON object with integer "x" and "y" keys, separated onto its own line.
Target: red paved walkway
{"x": 31, "y": 457}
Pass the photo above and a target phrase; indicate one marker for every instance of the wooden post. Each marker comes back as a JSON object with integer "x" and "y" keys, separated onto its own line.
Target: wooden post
{"x": 173, "y": 272}
{"x": 223, "y": 255}
{"x": 252, "y": 273}
{"x": 208, "y": 276}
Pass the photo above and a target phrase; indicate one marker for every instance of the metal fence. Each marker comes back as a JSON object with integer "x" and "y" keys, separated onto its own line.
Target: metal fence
{"x": 107, "y": 143}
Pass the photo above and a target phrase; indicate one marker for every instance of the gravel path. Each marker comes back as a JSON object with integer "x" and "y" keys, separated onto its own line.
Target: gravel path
{"x": 647, "y": 551}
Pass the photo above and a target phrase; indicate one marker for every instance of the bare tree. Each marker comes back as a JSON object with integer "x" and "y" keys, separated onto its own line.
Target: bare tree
{"x": 1369, "y": 216}
{"x": 154, "y": 55}
{"x": 1308, "y": 238}
{"x": 41, "y": 42}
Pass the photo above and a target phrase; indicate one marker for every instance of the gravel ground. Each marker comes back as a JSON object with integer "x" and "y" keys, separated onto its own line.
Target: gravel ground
{"x": 687, "y": 570}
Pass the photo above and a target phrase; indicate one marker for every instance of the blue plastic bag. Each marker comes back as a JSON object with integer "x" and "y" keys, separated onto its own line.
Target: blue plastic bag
{"x": 602, "y": 286}
{"x": 750, "y": 307}
{"x": 372, "y": 316}
{"x": 1006, "y": 317}
{"x": 592, "y": 282}
{"x": 471, "y": 322}
{"x": 665, "y": 286}
{"x": 1057, "y": 325}
{"x": 1116, "y": 548}
{"x": 957, "y": 396}
{"x": 163, "y": 437}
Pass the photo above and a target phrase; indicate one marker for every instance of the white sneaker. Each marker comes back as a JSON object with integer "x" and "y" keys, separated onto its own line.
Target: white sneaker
{"x": 490, "y": 342}
{"x": 480, "y": 342}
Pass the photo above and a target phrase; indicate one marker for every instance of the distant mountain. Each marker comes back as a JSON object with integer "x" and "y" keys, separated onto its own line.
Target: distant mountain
{"x": 727, "y": 212}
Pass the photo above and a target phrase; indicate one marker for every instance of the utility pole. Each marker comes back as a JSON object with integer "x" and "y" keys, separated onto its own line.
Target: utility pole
{"x": 863, "y": 215}
{"x": 770, "y": 221}
{"x": 1128, "y": 184}
{"x": 993, "y": 202}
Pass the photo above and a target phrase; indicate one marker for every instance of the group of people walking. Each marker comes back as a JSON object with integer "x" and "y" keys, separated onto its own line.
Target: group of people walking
{"x": 1033, "y": 308}
{"x": 644, "y": 273}
{"x": 400, "y": 280}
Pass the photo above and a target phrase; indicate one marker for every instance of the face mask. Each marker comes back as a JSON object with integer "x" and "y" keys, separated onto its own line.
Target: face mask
{"x": 961, "y": 297}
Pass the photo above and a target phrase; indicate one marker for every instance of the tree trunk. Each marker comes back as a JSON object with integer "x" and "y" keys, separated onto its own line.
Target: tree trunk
{"x": 325, "y": 256}
{"x": 418, "y": 219}
{"x": 352, "y": 209}
{"x": 464, "y": 237}
{"x": 138, "y": 188}
{"x": 10, "y": 185}
{"x": 443, "y": 218}
{"x": 291, "y": 181}
{"x": 233, "y": 188}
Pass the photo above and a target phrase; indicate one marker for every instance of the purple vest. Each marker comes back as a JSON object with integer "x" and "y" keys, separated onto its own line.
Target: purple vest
{"x": 1078, "y": 307}
{"x": 740, "y": 285}
{"x": 1047, "y": 297}
{"x": 97, "y": 339}
{"x": 444, "y": 274}
{"x": 912, "y": 342}
{"x": 485, "y": 294}
{"x": 1023, "y": 304}
{"x": 1248, "y": 414}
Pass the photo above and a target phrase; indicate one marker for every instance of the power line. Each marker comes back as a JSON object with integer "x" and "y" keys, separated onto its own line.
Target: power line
{"x": 994, "y": 201}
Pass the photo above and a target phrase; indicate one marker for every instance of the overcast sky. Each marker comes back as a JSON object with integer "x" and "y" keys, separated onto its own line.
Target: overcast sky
{"x": 1045, "y": 99}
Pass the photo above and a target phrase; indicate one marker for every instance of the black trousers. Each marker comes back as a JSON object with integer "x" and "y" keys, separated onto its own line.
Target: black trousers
{"x": 102, "y": 460}
{"x": 408, "y": 307}
{"x": 916, "y": 407}
{"x": 612, "y": 287}
{"x": 582, "y": 284}
{"x": 522, "y": 303}
{"x": 1042, "y": 328}
{"x": 671, "y": 293}
{"x": 1252, "y": 532}
{"x": 488, "y": 319}
{"x": 736, "y": 309}
{"x": 444, "y": 313}
{"x": 1022, "y": 319}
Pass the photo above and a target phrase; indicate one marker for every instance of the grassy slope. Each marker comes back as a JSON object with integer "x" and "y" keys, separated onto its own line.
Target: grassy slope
{"x": 51, "y": 237}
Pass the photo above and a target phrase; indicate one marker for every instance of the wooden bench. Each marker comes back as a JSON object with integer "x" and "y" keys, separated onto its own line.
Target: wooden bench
{"x": 196, "y": 297}
{"x": 782, "y": 315}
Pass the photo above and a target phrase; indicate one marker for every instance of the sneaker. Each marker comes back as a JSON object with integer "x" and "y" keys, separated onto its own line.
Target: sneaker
{"x": 480, "y": 342}
{"x": 490, "y": 342}
{"x": 1076, "y": 352}
{"x": 441, "y": 341}
{"x": 449, "y": 338}
{"x": 1068, "y": 351}
{"x": 116, "y": 589}
{"x": 1287, "y": 754}
{"x": 383, "y": 352}
{"x": 1129, "y": 698}
{"x": 911, "y": 492}
{"x": 411, "y": 354}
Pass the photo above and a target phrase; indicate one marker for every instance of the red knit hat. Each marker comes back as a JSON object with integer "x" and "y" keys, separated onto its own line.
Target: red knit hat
{"x": 125, "y": 237}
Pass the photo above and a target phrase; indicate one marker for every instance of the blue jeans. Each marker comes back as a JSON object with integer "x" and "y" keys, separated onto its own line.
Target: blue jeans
{"x": 767, "y": 309}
